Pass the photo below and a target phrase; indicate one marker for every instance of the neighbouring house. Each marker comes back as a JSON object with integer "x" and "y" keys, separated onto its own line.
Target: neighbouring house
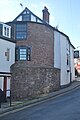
{"x": 64, "y": 57}
{"x": 44, "y": 56}
{"x": 7, "y": 57}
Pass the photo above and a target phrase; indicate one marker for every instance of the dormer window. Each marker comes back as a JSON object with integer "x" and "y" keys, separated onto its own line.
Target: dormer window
{"x": 6, "y": 30}
{"x": 27, "y": 15}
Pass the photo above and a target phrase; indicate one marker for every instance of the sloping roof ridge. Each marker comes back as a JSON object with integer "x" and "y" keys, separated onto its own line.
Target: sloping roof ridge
{"x": 62, "y": 34}
{"x": 7, "y": 39}
{"x": 31, "y": 13}
{"x": 65, "y": 36}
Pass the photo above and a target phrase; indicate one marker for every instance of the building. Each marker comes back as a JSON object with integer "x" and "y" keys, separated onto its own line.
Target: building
{"x": 77, "y": 61}
{"x": 64, "y": 57}
{"x": 38, "y": 68}
{"x": 7, "y": 56}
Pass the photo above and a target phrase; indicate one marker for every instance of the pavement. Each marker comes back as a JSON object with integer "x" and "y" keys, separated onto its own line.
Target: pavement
{"x": 5, "y": 107}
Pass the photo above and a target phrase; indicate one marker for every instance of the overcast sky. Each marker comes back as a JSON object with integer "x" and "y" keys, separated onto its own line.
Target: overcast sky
{"x": 64, "y": 13}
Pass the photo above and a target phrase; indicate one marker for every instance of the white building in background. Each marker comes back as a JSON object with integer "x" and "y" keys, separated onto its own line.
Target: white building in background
{"x": 64, "y": 57}
{"x": 7, "y": 56}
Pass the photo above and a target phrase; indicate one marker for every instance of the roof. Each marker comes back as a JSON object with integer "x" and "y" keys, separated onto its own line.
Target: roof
{"x": 26, "y": 11}
{"x": 65, "y": 36}
{"x": 7, "y": 39}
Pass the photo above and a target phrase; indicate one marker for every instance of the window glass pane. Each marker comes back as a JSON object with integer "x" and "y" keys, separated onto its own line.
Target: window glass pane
{"x": 24, "y": 12}
{"x": 21, "y": 31}
{"x": 0, "y": 29}
{"x": 22, "y": 57}
{"x": 26, "y": 17}
{"x": 8, "y": 54}
{"x": 27, "y": 12}
{"x": 23, "y": 50}
{"x": 21, "y": 35}
{"x": 7, "y": 31}
{"x": 68, "y": 59}
{"x": 21, "y": 27}
{"x": 19, "y": 18}
{"x": 4, "y": 30}
{"x": 33, "y": 18}
{"x": 23, "y": 54}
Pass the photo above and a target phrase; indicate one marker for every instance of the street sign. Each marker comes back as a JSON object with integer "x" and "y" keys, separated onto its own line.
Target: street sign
{"x": 76, "y": 54}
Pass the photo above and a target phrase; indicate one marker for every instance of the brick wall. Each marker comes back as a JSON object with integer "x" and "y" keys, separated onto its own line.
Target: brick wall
{"x": 41, "y": 39}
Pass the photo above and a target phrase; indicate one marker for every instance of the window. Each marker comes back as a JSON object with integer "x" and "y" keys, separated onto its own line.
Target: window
{"x": 23, "y": 53}
{"x": 19, "y": 18}
{"x": 26, "y": 17}
{"x": 21, "y": 35}
{"x": 68, "y": 59}
{"x": 21, "y": 31}
{"x": 0, "y": 29}
{"x": 5, "y": 31}
{"x": 33, "y": 18}
{"x": 7, "y": 54}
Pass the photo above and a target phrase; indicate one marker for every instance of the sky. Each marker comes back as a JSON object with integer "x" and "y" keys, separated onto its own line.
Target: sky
{"x": 63, "y": 13}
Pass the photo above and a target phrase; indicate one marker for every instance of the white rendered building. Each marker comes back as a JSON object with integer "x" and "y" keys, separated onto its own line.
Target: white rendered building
{"x": 7, "y": 57}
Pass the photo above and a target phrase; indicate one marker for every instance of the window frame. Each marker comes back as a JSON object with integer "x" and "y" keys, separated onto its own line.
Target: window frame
{"x": 22, "y": 53}
{"x": 24, "y": 16}
{"x": 68, "y": 59}
{"x": 17, "y": 53}
{"x": 21, "y": 31}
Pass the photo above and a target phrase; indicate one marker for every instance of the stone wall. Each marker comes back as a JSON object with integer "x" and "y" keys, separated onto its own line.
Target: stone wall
{"x": 28, "y": 82}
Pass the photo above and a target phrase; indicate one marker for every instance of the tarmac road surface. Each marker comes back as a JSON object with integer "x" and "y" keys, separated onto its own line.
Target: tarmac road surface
{"x": 64, "y": 107}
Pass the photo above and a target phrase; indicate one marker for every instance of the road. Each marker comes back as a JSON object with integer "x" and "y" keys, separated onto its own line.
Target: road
{"x": 64, "y": 107}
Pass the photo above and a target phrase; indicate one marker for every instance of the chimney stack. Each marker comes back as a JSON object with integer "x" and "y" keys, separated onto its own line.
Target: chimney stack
{"x": 45, "y": 14}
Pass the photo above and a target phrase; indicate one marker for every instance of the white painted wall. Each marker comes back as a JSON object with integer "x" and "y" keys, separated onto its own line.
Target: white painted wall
{"x": 4, "y": 64}
{"x": 65, "y": 76}
{"x": 6, "y": 46}
{"x": 72, "y": 63}
{"x": 61, "y": 49}
{"x": 57, "y": 51}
